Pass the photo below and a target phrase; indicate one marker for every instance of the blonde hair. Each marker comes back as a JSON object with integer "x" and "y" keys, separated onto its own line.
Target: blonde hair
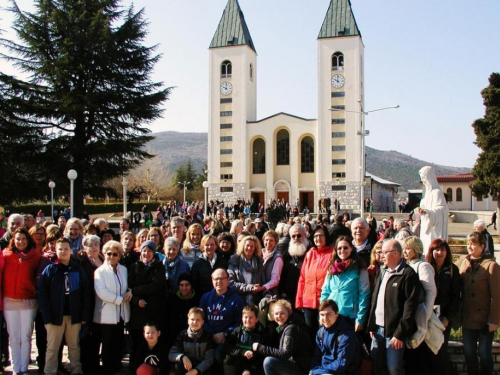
{"x": 186, "y": 245}
{"x": 414, "y": 243}
{"x": 205, "y": 239}
{"x": 72, "y": 221}
{"x": 138, "y": 242}
{"x": 283, "y": 303}
{"x": 255, "y": 239}
{"x": 113, "y": 245}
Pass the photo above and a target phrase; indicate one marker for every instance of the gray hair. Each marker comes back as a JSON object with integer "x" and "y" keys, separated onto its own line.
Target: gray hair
{"x": 286, "y": 229}
{"x": 14, "y": 217}
{"x": 177, "y": 219}
{"x": 480, "y": 223}
{"x": 299, "y": 227}
{"x": 171, "y": 241}
{"x": 359, "y": 220}
{"x": 89, "y": 239}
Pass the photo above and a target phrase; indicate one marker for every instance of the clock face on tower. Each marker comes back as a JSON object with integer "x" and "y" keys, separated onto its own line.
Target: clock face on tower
{"x": 338, "y": 81}
{"x": 226, "y": 88}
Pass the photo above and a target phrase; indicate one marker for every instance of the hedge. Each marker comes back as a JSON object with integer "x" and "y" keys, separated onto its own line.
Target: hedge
{"x": 91, "y": 208}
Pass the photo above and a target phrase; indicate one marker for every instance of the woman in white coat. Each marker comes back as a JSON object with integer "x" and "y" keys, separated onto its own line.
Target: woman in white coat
{"x": 419, "y": 358}
{"x": 112, "y": 308}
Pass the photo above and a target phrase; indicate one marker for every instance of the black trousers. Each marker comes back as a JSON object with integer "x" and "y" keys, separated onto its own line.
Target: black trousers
{"x": 112, "y": 341}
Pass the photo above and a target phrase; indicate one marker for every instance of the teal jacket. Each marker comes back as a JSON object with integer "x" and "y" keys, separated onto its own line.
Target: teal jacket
{"x": 351, "y": 291}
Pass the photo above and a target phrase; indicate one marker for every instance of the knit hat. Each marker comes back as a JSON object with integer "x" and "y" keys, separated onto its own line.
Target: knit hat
{"x": 185, "y": 277}
{"x": 225, "y": 236}
{"x": 149, "y": 244}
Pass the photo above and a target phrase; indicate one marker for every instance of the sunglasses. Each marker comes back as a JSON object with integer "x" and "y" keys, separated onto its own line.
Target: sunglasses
{"x": 109, "y": 254}
{"x": 297, "y": 236}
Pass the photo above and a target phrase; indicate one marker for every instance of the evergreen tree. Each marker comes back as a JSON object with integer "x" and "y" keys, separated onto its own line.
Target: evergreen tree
{"x": 487, "y": 129}
{"x": 185, "y": 173}
{"x": 89, "y": 88}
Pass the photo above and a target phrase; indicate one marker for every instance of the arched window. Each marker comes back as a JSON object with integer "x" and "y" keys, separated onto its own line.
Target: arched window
{"x": 259, "y": 156}
{"x": 283, "y": 147}
{"x": 251, "y": 71}
{"x": 307, "y": 155}
{"x": 459, "y": 194}
{"x": 449, "y": 194}
{"x": 226, "y": 69}
{"x": 338, "y": 61}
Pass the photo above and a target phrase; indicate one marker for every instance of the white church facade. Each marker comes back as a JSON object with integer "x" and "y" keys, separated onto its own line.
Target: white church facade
{"x": 285, "y": 156}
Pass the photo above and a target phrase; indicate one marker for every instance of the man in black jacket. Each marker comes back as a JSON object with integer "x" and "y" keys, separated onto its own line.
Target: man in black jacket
{"x": 392, "y": 315}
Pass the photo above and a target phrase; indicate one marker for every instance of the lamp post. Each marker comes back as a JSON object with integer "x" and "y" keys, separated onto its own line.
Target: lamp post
{"x": 184, "y": 188}
{"x": 72, "y": 175}
{"x": 52, "y": 185}
{"x": 124, "y": 182}
{"x": 363, "y": 133}
{"x": 206, "y": 185}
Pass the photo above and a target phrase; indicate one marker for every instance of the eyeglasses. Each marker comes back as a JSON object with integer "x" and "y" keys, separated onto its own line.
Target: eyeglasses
{"x": 294, "y": 236}
{"x": 387, "y": 252}
{"x": 109, "y": 254}
{"x": 219, "y": 279}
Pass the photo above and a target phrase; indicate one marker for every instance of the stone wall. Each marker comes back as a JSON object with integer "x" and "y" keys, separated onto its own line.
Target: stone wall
{"x": 348, "y": 198}
{"x": 214, "y": 193}
{"x": 457, "y": 358}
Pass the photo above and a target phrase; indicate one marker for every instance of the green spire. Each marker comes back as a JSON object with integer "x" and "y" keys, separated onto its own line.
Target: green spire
{"x": 339, "y": 21}
{"x": 232, "y": 29}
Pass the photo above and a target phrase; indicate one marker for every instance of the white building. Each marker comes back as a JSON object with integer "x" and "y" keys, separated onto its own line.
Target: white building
{"x": 285, "y": 156}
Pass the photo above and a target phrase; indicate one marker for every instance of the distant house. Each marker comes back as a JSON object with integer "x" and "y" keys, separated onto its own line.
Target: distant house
{"x": 459, "y": 195}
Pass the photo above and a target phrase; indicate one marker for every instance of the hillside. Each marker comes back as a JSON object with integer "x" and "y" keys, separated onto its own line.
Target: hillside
{"x": 174, "y": 148}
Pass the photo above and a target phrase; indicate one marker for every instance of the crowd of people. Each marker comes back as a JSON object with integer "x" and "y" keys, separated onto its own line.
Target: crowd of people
{"x": 211, "y": 296}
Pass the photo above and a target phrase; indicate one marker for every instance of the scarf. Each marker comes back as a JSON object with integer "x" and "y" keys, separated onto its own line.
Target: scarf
{"x": 340, "y": 266}
{"x": 171, "y": 267}
{"x": 146, "y": 263}
{"x": 251, "y": 267}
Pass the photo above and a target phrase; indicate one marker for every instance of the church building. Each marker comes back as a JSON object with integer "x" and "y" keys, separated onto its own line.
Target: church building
{"x": 284, "y": 156}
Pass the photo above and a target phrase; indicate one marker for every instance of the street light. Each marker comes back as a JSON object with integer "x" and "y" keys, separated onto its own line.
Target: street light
{"x": 124, "y": 182}
{"x": 363, "y": 133}
{"x": 206, "y": 185}
{"x": 184, "y": 185}
{"x": 52, "y": 185}
{"x": 72, "y": 175}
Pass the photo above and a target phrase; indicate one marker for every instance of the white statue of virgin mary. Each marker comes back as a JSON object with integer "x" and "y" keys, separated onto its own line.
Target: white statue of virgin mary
{"x": 433, "y": 209}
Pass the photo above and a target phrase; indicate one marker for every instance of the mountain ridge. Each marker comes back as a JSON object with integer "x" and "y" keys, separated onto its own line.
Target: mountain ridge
{"x": 175, "y": 148}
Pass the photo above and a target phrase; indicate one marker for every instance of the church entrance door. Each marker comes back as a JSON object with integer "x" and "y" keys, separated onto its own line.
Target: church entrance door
{"x": 307, "y": 200}
{"x": 282, "y": 195}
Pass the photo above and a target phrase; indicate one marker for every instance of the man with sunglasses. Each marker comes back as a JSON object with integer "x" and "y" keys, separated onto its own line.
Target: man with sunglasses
{"x": 394, "y": 304}
{"x": 64, "y": 298}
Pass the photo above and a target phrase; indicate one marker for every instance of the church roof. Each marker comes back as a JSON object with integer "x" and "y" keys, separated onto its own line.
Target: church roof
{"x": 339, "y": 21}
{"x": 279, "y": 114}
{"x": 232, "y": 29}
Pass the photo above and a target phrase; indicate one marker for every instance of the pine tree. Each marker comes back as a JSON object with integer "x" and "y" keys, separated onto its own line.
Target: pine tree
{"x": 89, "y": 88}
{"x": 487, "y": 129}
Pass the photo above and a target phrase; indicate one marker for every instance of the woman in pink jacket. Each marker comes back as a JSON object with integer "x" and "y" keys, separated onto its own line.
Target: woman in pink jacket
{"x": 312, "y": 276}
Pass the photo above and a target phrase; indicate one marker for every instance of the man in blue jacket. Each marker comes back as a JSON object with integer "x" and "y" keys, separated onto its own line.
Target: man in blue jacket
{"x": 64, "y": 298}
{"x": 223, "y": 308}
{"x": 337, "y": 347}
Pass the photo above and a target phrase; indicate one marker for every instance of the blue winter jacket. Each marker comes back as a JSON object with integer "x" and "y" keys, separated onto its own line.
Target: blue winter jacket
{"x": 337, "y": 350}
{"x": 351, "y": 291}
{"x": 222, "y": 313}
{"x": 51, "y": 293}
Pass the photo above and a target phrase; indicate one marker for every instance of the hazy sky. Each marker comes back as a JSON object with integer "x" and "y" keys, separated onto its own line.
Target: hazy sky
{"x": 431, "y": 57}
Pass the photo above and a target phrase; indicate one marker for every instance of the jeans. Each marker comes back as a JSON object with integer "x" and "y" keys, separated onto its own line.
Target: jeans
{"x": 55, "y": 334}
{"x": 276, "y": 366}
{"x": 386, "y": 360}
{"x": 20, "y": 328}
{"x": 485, "y": 338}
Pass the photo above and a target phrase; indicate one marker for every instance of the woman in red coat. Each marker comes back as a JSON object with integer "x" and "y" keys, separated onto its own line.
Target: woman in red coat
{"x": 20, "y": 304}
{"x": 312, "y": 276}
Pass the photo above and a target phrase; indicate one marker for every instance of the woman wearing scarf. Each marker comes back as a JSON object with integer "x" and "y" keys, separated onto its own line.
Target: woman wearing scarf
{"x": 347, "y": 283}
{"x": 191, "y": 247}
{"x": 74, "y": 232}
{"x": 19, "y": 296}
{"x": 146, "y": 282}
{"x": 312, "y": 276}
{"x": 246, "y": 270}
{"x": 206, "y": 264}
{"x": 174, "y": 264}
